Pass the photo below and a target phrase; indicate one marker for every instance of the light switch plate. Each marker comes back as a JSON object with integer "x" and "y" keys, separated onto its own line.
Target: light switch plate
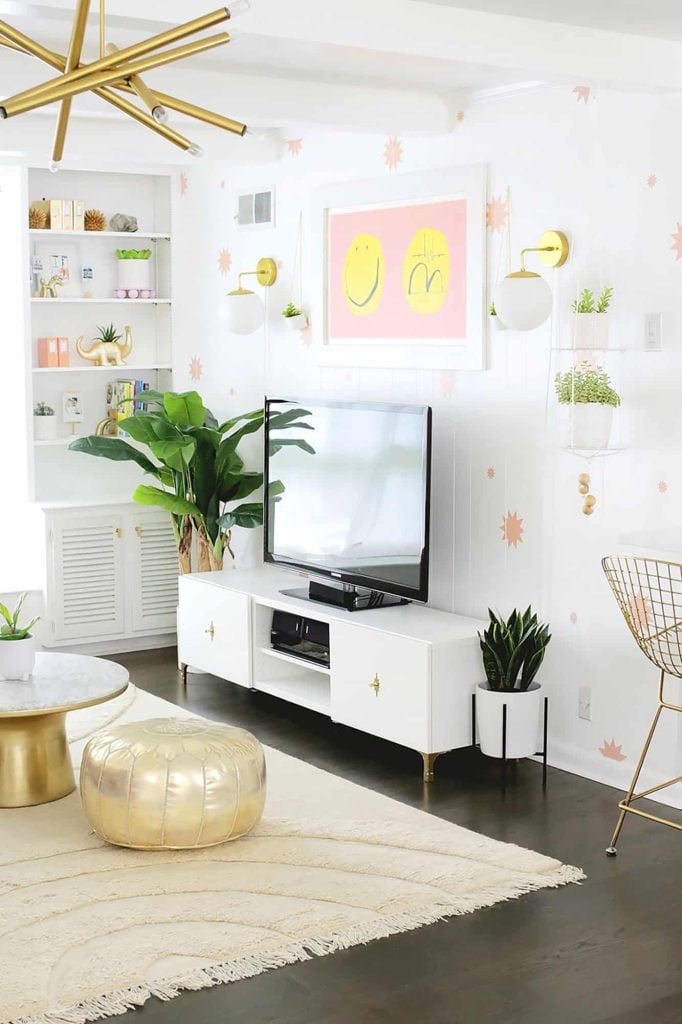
{"x": 653, "y": 332}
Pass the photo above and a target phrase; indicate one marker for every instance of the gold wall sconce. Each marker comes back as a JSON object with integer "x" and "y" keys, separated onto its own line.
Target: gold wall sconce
{"x": 523, "y": 300}
{"x": 245, "y": 309}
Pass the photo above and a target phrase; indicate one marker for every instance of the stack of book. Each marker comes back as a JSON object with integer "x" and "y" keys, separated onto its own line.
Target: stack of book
{"x": 124, "y": 398}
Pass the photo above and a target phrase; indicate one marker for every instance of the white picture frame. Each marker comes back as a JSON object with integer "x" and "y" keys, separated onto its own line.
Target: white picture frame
{"x": 72, "y": 407}
{"x": 466, "y": 352}
{"x": 57, "y": 257}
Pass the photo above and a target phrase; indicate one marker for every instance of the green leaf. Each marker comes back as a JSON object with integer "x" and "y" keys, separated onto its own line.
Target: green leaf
{"x": 149, "y": 426}
{"x": 283, "y": 420}
{"x": 228, "y": 424}
{"x": 115, "y": 449}
{"x": 4, "y": 611}
{"x": 146, "y": 495}
{"x": 232, "y": 440}
{"x": 204, "y": 468}
{"x": 247, "y": 516}
{"x": 185, "y": 409}
{"x": 241, "y": 486}
{"x": 275, "y": 488}
{"x": 295, "y": 442}
{"x": 227, "y": 462}
{"x": 176, "y": 454}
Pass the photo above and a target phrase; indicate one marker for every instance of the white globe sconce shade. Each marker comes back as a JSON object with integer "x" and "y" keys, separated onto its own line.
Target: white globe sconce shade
{"x": 523, "y": 300}
{"x": 245, "y": 310}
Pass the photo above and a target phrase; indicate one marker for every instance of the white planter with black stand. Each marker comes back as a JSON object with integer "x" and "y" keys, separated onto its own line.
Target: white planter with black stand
{"x": 515, "y": 733}
{"x": 17, "y": 658}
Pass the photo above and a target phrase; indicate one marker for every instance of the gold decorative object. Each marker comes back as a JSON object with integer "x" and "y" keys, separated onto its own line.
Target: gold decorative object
{"x": 117, "y": 71}
{"x": 375, "y": 684}
{"x": 108, "y": 427}
{"x": 172, "y": 784}
{"x": 649, "y": 594}
{"x": 584, "y": 489}
{"x": 94, "y": 220}
{"x": 105, "y": 351}
{"x": 37, "y": 218}
{"x": 48, "y": 289}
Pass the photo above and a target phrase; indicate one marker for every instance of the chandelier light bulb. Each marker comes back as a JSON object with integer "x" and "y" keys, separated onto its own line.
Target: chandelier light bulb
{"x": 239, "y": 7}
{"x": 54, "y": 166}
{"x": 160, "y": 115}
{"x": 195, "y": 150}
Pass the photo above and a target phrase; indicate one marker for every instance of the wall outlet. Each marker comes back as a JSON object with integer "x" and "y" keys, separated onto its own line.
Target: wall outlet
{"x": 653, "y": 332}
{"x": 585, "y": 703}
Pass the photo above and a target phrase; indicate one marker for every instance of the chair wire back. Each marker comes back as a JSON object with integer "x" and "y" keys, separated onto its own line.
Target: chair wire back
{"x": 649, "y": 594}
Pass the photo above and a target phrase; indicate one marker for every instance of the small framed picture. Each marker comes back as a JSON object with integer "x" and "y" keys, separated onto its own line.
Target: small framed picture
{"x": 72, "y": 407}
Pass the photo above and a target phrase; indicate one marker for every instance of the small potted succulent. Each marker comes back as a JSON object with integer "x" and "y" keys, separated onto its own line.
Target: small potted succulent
{"x": 591, "y": 327}
{"x": 295, "y": 317}
{"x": 513, "y": 651}
{"x": 498, "y": 323}
{"x": 44, "y": 422}
{"x": 588, "y": 391}
{"x": 17, "y": 644}
{"x": 134, "y": 270}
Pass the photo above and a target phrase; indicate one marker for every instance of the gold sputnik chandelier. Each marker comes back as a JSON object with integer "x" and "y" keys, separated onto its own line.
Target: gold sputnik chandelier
{"x": 118, "y": 72}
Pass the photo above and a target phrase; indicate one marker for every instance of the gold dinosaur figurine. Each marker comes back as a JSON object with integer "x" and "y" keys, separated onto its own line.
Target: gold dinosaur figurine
{"x": 48, "y": 289}
{"x": 105, "y": 350}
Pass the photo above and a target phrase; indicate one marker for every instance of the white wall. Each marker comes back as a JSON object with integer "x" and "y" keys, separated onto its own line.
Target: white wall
{"x": 575, "y": 165}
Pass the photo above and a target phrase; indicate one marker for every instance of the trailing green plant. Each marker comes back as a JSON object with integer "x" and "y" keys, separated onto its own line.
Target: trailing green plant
{"x": 11, "y": 630}
{"x": 133, "y": 254}
{"x": 108, "y": 333}
{"x": 43, "y": 409}
{"x": 513, "y": 650}
{"x": 585, "y": 303}
{"x": 585, "y": 383}
{"x": 195, "y": 461}
{"x": 291, "y": 310}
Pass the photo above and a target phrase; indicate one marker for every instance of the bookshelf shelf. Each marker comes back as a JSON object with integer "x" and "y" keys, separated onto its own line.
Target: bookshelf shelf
{"x": 56, "y": 442}
{"x": 102, "y": 302}
{"x": 120, "y": 370}
{"x": 48, "y": 233}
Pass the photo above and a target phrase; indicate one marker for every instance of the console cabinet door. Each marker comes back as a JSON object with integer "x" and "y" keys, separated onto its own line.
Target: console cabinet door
{"x": 380, "y": 683}
{"x": 214, "y": 630}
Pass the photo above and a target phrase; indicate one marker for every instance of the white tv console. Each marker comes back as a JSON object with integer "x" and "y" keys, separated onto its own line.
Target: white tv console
{"x": 404, "y": 673}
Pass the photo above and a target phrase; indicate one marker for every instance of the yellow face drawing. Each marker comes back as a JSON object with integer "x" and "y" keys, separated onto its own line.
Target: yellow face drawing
{"x": 363, "y": 275}
{"x": 426, "y": 271}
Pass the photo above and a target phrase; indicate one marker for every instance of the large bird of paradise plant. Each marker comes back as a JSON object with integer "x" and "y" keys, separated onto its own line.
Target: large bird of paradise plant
{"x": 203, "y": 482}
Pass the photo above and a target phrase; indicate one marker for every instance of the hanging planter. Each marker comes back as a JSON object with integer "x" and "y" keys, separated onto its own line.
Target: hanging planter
{"x": 587, "y": 390}
{"x": 591, "y": 323}
{"x": 295, "y": 318}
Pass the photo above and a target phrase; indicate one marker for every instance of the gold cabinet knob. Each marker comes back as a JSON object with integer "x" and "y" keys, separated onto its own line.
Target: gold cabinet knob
{"x": 119, "y": 532}
{"x": 375, "y": 684}
{"x": 138, "y": 531}
{"x": 210, "y": 631}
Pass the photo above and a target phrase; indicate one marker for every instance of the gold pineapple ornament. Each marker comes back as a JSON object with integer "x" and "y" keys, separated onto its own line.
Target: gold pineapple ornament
{"x": 37, "y": 218}
{"x": 94, "y": 220}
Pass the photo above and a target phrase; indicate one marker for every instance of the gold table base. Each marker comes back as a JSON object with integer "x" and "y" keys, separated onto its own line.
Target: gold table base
{"x": 35, "y": 765}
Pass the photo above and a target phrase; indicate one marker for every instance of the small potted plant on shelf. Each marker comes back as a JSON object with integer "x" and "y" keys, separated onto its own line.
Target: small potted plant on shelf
{"x": 295, "y": 317}
{"x": 17, "y": 644}
{"x": 498, "y": 323}
{"x": 134, "y": 272}
{"x": 591, "y": 327}
{"x": 513, "y": 651}
{"x": 44, "y": 422}
{"x": 588, "y": 391}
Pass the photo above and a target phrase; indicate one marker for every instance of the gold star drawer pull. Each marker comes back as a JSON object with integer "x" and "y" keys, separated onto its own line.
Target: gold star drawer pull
{"x": 375, "y": 684}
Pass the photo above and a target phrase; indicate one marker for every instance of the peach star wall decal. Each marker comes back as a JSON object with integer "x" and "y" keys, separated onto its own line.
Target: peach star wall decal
{"x": 459, "y": 116}
{"x": 496, "y": 213}
{"x": 224, "y": 261}
{"x": 306, "y": 335}
{"x": 184, "y": 183}
{"x": 651, "y": 181}
{"x": 223, "y": 184}
{"x": 641, "y": 611}
{"x": 512, "y": 529}
{"x": 446, "y": 383}
{"x": 393, "y": 152}
{"x": 613, "y": 751}
{"x": 573, "y": 618}
{"x": 196, "y": 370}
{"x": 662, "y": 486}
{"x": 294, "y": 146}
{"x": 677, "y": 242}
{"x": 582, "y": 93}
{"x": 490, "y": 472}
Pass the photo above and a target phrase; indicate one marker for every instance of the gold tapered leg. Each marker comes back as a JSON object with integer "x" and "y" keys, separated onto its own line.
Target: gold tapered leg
{"x": 429, "y": 764}
{"x": 624, "y": 804}
{"x": 35, "y": 766}
{"x": 183, "y": 670}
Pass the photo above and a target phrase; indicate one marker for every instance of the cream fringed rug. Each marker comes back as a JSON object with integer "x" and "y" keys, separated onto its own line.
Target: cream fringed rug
{"x": 89, "y": 931}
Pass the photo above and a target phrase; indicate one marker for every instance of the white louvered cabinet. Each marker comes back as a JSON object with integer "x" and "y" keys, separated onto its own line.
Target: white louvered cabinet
{"x": 112, "y": 574}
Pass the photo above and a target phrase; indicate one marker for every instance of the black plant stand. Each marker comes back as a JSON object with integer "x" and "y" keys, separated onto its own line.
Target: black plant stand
{"x": 539, "y": 753}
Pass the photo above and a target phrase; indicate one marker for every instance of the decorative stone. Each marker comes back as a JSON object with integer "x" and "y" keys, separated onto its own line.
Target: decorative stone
{"x": 123, "y": 222}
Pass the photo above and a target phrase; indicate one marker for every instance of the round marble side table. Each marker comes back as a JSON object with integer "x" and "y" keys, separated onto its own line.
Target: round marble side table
{"x": 35, "y": 766}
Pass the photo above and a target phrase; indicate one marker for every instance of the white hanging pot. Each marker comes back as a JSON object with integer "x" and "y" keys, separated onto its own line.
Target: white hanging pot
{"x": 523, "y": 720}
{"x": 591, "y": 330}
{"x": 44, "y": 429}
{"x": 298, "y": 322}
{"x": 17, "y": 658}
{"x": 134, "y": 274}
{"x": 590, "y": 425}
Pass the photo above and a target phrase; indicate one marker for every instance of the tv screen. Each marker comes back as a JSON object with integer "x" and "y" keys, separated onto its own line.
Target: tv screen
{"x": 348, "y": 496}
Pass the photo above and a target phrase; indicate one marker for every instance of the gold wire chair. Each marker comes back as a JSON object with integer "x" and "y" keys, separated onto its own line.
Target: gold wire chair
{"x": 649, "y": 594}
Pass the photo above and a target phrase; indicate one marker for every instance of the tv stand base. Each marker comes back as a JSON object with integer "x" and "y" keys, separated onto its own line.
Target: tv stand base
{"x": 353, "y": 599}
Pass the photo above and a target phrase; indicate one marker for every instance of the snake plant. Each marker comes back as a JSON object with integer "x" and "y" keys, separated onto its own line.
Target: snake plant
{"x": 513, "y": 650}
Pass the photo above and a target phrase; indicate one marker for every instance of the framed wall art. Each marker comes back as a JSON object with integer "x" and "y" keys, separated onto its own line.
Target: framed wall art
{"x": 402, "y": 272}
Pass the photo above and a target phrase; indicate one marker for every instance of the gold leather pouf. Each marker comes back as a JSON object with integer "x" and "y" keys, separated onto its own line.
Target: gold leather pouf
{"x": 172, "y": 784}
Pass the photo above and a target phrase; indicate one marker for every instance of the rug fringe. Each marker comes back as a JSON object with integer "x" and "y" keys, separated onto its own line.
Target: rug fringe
{"x": 115, "y": 1003}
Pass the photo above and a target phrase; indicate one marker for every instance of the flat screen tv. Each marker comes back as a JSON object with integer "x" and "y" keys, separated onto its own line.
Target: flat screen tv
{"x": 347, "y": 498}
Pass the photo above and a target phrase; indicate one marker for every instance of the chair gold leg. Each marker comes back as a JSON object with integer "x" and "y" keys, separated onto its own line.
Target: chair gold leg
{"x": 611, "y": 850}
{"x": 183, "y": 670}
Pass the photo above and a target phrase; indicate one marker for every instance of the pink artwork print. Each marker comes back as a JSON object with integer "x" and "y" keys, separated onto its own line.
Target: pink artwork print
{"x": 195, "y": 368}
{"x": 582, "y": 93}
{"x": 224, "y": 261}
{"x": 512, "y": 529}
{"x": 393, "y": 152}
{"x": 398, "y": 272}
{"x": 184, "y": 183}
{"x": 496, "y": 213}
{"x": 294, "y": 146}
{"x": 677, "y": 242}
{"x": 651, "y": 181}
{"x": 613, "y": 751}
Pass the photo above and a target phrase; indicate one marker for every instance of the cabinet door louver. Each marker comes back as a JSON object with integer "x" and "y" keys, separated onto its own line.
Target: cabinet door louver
{"x": 87, "y": 562}
{"x": 154, "y": 573}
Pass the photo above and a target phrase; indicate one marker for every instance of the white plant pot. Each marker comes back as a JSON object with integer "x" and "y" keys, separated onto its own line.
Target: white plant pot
{"x": 523, "y": 720}
{"x": 590, "y": 425}
{"x": 44, "y": 429}
{"x": 134, "y": 274}
{"x": 591, "y": 330}
{"x": 17, "y": 658}
{"x": 297, "y": 323}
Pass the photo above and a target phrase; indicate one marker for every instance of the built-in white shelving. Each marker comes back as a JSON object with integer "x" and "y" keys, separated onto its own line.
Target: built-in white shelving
{"x": 100, "y": 301}
{"x": 293, "y": 660}
{"x": 120, "y": 370}
{"x": 150, "y": 235}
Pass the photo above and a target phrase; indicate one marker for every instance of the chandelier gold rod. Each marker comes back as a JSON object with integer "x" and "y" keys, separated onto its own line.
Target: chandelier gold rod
{"x": 33, "y": 49}
{"x": 102, "y": 30}
{"x": 142, "y": 90}
{"x": 73, "y": 58}
{"x": 63, "y": 88}
{"x": 201, "y": 114}
{"x": 128, "y": 53}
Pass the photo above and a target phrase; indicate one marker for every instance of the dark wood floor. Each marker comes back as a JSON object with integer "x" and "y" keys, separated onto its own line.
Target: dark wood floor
{"x": 609, "y": 950}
